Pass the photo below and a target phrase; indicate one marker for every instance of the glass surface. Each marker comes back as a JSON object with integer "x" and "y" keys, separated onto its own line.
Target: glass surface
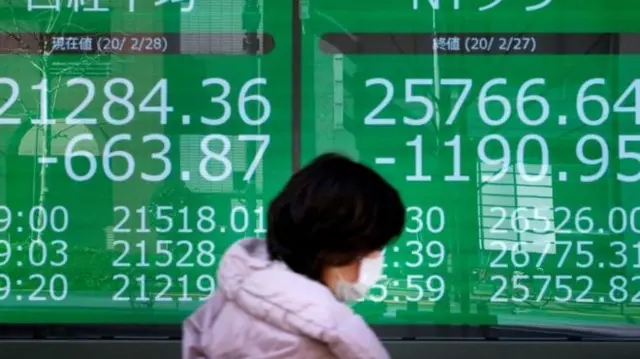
{"x": 137, "y": 145}
{"x": 473, "y": 15}
{"x": 514, "y": 145}
{"x": 138, "y": 141}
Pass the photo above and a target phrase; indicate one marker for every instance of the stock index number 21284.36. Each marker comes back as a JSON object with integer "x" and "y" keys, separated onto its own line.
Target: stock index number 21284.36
{"x": 119, "y": 93}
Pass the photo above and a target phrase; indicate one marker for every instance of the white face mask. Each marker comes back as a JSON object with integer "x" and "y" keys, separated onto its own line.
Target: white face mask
{"x": 370, "y": 271}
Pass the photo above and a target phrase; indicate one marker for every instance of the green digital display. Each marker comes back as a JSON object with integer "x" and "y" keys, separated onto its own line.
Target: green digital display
{"x": 137, "y": 144}
{"x": 514, "y": 144}
{"x": 496, "y": 181}
{"x": 139, "y": 141}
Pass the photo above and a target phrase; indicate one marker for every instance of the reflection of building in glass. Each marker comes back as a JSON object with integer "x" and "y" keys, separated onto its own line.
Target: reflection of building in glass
{"x": 229, "y": 193}
{"x": 514, "y": 213}
{"x": 33, "y": 141}
{"x": 333, "y": 101}
{"x": 211, "y": 19}
{"x": 88, "y": 203}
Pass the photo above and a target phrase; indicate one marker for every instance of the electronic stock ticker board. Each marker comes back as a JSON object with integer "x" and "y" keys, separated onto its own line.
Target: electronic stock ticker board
{"x": 138, "y": 141}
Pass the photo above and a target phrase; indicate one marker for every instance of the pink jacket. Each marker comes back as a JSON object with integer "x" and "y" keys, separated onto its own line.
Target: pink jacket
{"x": 262, "y": 310}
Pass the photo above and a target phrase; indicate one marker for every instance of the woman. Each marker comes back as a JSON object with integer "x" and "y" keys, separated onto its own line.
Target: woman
{"x": 288, "y": 296}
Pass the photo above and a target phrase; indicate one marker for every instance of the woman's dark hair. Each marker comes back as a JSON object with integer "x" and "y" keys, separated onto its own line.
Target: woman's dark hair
{"x": 331, "y": 212}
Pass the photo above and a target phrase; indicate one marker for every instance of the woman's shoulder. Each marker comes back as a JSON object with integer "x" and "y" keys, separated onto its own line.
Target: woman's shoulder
{"x": 267, "y": 300}
{"x": 263, "y": 287}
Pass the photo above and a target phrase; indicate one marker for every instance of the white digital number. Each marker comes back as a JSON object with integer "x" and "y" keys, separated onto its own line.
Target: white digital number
{"x": 633, "y": 89}
{"x": 243, "y": 99}
{"x": 434, "y": 250}
{"x": 72, "y": 153}
{"x": 417, "y": 287}
{"x": 220, "y": 100}
{"x": 409, "y": 97}
{"x": 381, "y": 287}
{"x": 58, "y": 287}
{"x": 160, "y": 89}
{"x": 43, "y": 88}
{"x": 601, "y": 160}
{"x": 521, "y": 159}
{"x": 5, "y": 287}
{"x": 484, "y": 99}
{"x": 418, "y": 216}
{"x": 583, "y": 99}
{"x": 13, "y": 97}
{"x": 462, "y": 96}
{"x": 418, "y": 175}
{"x": 503, "y": 161}
{"x": 522, "y": 99}
{"x": 436, "y": 287}
{"x": 257, "y": 160}
{"x": 372, "y": 118}
{"x": 126, "y": 158}
{"x": 222, "y": 156}
{"x": 417, "y": 252}
{"x": 161, "y": 155}
{"x": 625, "y": 154}
{"x": 122, "y": 100}
{"x": 72, "y": 118}
{"x": 428, "y": 102}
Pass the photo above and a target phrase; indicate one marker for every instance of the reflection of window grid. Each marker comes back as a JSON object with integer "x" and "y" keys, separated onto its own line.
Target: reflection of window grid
{"x": 512, "y": 192}
{"x": 200, "y": 29}
{"x": 94, "y": 65}
{"x": 108, "y": 231}
{"x": 90, "y": 65}
{"x": 191, "y": 155}
{"x": 338, "y": 91}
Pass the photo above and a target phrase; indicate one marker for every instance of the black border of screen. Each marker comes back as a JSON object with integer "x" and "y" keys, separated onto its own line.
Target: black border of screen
{"x": 125, "y": 349}
{"x": 404, "y": 340}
